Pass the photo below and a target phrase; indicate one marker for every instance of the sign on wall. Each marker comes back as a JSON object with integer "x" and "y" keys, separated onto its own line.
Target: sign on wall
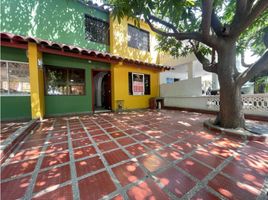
{"x": 138, "y": 84}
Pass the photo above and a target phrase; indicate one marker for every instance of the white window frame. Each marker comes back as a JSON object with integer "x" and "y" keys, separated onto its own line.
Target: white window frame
{"x": 8, "y": 94}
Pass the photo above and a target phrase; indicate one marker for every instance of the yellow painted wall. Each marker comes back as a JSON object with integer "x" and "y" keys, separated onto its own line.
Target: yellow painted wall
{"x": 36, "y": 82}
{"x": 120, "y": 90}
{"x": 119, "y": 42}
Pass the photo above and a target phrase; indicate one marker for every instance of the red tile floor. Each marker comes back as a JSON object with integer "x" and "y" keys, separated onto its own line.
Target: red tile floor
{"x": 134, "y": 155}
{"x": 7, "y": 128}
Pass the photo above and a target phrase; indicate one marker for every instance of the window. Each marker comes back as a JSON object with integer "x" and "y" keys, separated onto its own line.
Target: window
{"x": 14, "y": 78}
{"x": 139, "y": 84}
{"x": 63, "y": 81}
{"x": 96, "y": 30}
{"x": 138, "y": 38}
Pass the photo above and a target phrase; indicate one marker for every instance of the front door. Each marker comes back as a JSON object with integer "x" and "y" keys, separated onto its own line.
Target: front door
{"x": 101, "y": 90}
{"x": 107, "y": 91}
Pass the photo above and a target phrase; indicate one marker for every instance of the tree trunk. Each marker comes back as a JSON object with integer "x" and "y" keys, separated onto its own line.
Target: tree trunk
{"x": 231, "y": 114}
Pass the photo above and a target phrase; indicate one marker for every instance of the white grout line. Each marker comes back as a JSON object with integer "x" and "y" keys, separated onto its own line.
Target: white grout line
{"x": 106, "y": 164}
{"x": 29, "y": 191}
{"x": 75, "y": 189}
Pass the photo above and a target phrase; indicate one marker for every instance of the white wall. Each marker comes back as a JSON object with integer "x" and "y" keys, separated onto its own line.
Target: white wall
{"x": 183, "y": 88}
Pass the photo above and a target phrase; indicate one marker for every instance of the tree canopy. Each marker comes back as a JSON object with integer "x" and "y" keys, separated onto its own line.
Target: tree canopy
{"x": 176, "y": 21}
{"x": 221, "y": 28}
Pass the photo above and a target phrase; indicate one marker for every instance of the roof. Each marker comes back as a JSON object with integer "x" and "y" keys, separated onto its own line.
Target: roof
{"x": 9, "y": 39}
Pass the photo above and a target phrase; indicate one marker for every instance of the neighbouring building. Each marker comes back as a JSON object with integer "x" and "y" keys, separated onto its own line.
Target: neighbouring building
{"x": 67, "y": 57}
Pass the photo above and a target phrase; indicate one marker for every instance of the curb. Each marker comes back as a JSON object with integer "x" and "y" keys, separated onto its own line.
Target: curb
{"x": 9, "y": 144}
{"x": 235, "y": 133}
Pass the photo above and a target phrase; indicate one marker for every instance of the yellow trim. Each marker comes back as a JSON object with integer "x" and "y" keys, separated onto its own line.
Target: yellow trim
{"x": 36, "y": 82}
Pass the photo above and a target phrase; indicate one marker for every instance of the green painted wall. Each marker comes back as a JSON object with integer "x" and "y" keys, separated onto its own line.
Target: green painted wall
{"x": 15, "y": 107}
{"x": 55, "y": 105}
{"x": 54, "y": 20}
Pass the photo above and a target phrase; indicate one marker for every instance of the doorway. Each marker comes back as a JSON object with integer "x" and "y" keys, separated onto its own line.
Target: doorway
{"x": 101, "y": 91}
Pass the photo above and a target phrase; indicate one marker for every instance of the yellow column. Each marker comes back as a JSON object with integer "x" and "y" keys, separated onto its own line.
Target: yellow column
{"x": 36, "y": 81}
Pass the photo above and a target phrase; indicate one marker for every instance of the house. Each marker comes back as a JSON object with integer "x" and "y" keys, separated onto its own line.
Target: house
{"x": 69, "y": 57}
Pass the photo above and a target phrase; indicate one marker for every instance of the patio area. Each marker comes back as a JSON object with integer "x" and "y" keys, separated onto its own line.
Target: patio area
{"x": 134, "y": 155}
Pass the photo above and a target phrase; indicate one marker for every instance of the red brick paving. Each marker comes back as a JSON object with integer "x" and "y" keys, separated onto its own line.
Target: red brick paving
{"x": 145, "y": 151}
{"x": 7, "y": 128}
{"x": 96, "y": 186}
{"x": 146, "y": 190}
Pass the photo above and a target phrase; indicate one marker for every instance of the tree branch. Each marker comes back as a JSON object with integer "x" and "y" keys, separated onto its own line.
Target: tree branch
{"x": 207, "y": 66}
{"x": 209, "y": 41}
{"x": 158, "y": 31}
{"x": 165, "y": 23}
{"x": 245, "y": 21}
{"x": 207, "y": 6}
{"x": 216, "y": 24}
{"x": 255, "y": 69}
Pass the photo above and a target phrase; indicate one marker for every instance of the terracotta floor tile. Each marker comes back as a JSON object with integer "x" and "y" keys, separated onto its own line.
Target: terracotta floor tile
{"x": 184, "y": 147}
{"x": 259, "y": 145}
{"x": 30, "y": 144}
{"x": 26, "y": 154}
{"x": 16, "y": 169}
{"x": 197, "y": 140}
{"x": 152, "y": 162}
{"x": 155, "y": 133}
{"x": 128, "y": 173}
{"x": 219, "y": 151}
{"x": 244, "y": 174}
{"x": 101, "y": 138}
{"x": 52, "y": 177}
{"x": 59, "y": 133}
{"x": 96, "y": 186}
{"x": 166, "y": 139}
{"x": 136, "y": 149}
{"x": 55, "y": 159}
{"x": 84, "y": 151}
{"x": 118, "y": 134}
{"x": 112, "y": 129}
{"x": 131, "y": 131}
{"x": 79, "y": 135}
{"x": 96, "y": 132}
{"x": 258, "y": 165}
{"x": 176, "y": 182}
{"x": 204, "y": 195}
{"x": 208, "y": 158}
{"x": 76, "y": 131}
{"x": 58, "y": 139}
{"x": 57, "y": 147}
{"x": 14, "y": 189}
{"x": 125, "y": 141}
{"x": 194, "y": 168}
{"x": 258, "y": 154}
{"x": 88, "y": 165}
{"x": 152, "y": 144}
{"x": 106, "y": 146}
{"x": 63, "y": 193}
{"x": 81, "y": 142}
{"x": 147, "y": 190}
{"x": 228, "y": 143}
{"x": 115, "y": 156}
{"x": 233, "y": 190}
{"x": 118, "y": 197}
{"x": 141, "y": 137}
{"x": 169, "y": 154}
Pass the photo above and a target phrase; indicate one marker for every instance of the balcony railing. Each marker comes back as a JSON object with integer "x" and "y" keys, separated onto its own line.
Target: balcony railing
{"x": 255, "y": 104}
